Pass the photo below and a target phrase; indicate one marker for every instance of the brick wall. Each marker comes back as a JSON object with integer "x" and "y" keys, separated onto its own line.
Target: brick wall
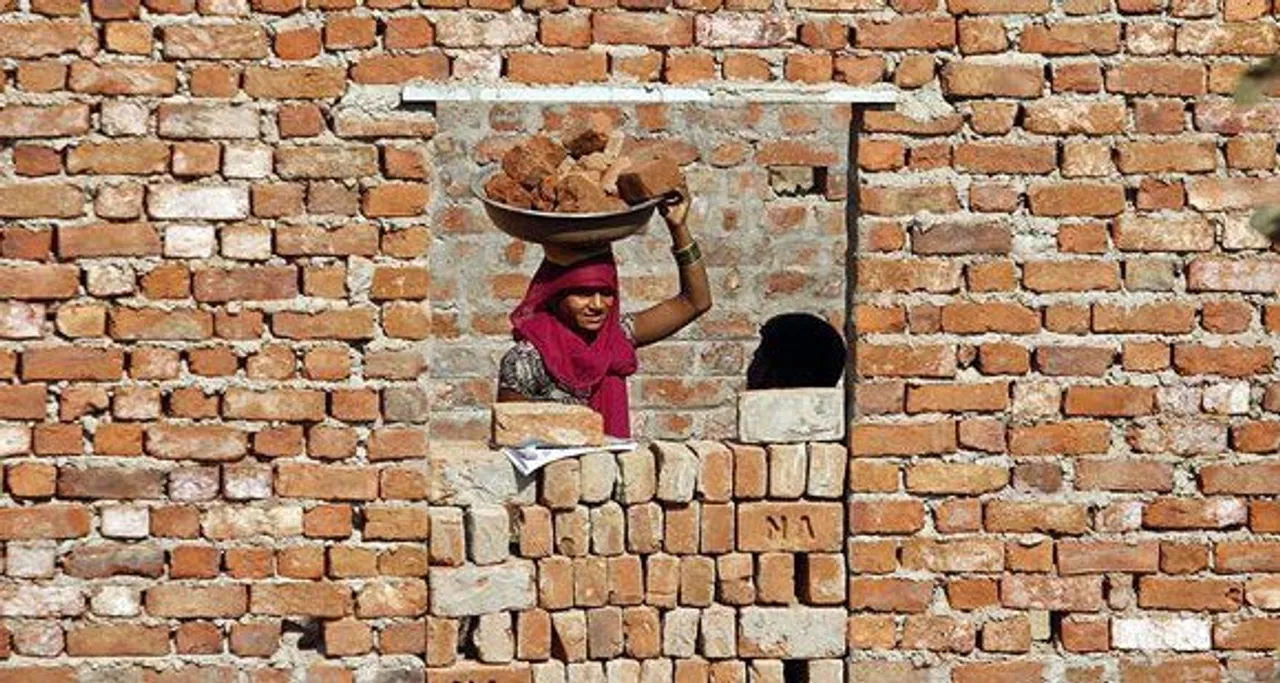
{"x": 241, "y": 290}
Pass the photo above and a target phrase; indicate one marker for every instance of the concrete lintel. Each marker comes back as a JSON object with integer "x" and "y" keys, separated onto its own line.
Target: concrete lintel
{"x": 711, "y": 94}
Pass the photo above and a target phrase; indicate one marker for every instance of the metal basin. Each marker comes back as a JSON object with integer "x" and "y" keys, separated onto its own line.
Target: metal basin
{"x": 571, "y": 230}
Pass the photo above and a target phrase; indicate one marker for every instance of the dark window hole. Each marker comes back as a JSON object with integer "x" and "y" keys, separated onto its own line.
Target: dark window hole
{"x": 797, "y": 350}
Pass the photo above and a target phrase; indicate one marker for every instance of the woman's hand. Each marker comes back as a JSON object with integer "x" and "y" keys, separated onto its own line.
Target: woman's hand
{"x": 676, "y": 210}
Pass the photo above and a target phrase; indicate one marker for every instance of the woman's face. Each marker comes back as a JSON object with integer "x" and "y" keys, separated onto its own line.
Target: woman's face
{"x": 586, "y": 309}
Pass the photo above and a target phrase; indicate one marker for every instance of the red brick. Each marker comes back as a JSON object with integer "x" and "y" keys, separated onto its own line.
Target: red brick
{"x": 1096, "y": 557}
{"x": 1248, "y": 634}
{"x": 44, "y": 521}
{"x": 869, "y": 439}
{"x": 886, "y": 517}
{"x": 36, "y": 200}
{"x": 904, "y": 361}
{"x": 558, "y": 67}
{"x": 175, "y": 600}
{"x": 1185, "y": 156}
{"x": 1124, "y": 475}
{"x": 72, "y": 363}
{"x": 300, "y": 82}
{"x": 1185, "y": 513}
{"x": 1109, "y": 401}
{"x": 890, "y": 595}
{"x": 980, "y": 318}
{"x": 118, "y": 640}
{"x": 1158, "y": 592}
{"x": 1077, "y": 594}
{"x": 908, "y": 200}
{"x": 998, "y": 672}
{"x": 790, "y": 527}
{"x": 1062, "y": 518}
{"x": 907, "y": 33}
{"x": 1229, "y": 361}
{"x": 331, "y": 482}
{"x": 1081, "y": 634}
{"x": 642, "y": 29}
{"x": 300, "y": 599}
{"x": 1076, "y": 199}
{"x": 1071, "y": 38}
{"x": 1152, "y": 77}
{"x": 1001, "y": 158}
{"x": 388, "y": 69}
{"x": 1159, "y": 318}
{"x": 29, "y": 39}
{"x": 957, "y": 397}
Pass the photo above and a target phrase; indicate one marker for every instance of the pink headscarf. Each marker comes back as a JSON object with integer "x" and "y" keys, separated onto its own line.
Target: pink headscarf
{"x": 597, "y": 369}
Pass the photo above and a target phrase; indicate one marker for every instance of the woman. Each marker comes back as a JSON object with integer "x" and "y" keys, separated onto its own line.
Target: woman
{"x": 572, "y": 343}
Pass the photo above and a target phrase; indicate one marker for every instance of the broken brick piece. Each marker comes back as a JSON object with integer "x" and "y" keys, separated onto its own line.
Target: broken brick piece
{"x": 649, "y": 178}
{"x": 503, "y": 189}
{"x": 587, "y": 135}
{"x": 549, "y": 188}
{"x": 577, "y": 193}
{"x": 609, "y": 179}
{"x": 598, "y": 162}
{"x": 531, "y": 161}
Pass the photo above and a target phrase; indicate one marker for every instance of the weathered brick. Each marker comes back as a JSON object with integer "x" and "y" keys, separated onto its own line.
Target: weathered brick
{"x": 196, "y": 442}
{"x": 1077, "y": 594}
{"x": 1183, "y": 513}
{"x": 920, "y": 438}
{"x": 979, "y": 77}
{"x": 123, "y": 78}
{"x": 111, "y": 559}
{"x": 41, "y": 200}
{"x": 30, "y": 39}
{"x": 300, "y": 82}
{"x": 316, "y": 599}
{"x": 1068, "y": 115}
{"x": 22, "y": 121}
{"x": 198, "y": 120}
{"x": 110, "y": 482}
{"x": 204, "y": 202}
{"x": 118, "y": 640}
{"x": 215, "y": 41}
{"x": 72, "y": 363}
{"x": 957, "y": 478}
{"x": 963, "y": 238}
{"x": 176, "y": 600}
{"x": 1061, "y": 518}
{"x": 330, "y": 482}
{"x": 1152, "y": 77}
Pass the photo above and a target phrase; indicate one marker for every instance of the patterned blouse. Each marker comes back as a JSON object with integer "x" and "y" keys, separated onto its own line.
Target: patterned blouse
{"x": 523, "y": 372}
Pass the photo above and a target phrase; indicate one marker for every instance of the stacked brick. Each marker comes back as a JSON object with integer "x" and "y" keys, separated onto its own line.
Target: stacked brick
{"x": 684, "y": 560}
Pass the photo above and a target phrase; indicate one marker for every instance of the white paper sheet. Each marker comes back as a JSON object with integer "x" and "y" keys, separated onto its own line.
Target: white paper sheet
{"x": 529, "y": 459}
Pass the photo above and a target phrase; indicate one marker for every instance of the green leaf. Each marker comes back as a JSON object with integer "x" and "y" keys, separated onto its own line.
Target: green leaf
{"x": 1266, "y": 220}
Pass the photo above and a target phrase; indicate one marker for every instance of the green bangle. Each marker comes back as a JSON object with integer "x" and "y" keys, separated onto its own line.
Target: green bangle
{"x": 688, "y": 254}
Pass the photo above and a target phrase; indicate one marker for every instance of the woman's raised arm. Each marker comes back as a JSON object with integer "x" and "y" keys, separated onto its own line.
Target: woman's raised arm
{"x": 665, "y": 319}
